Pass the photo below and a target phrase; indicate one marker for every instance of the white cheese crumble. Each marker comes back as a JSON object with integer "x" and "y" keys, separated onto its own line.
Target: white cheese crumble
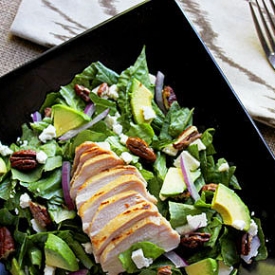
{"x": 127, "y": 157}
{"x": 49, "y": 270}
{"x": 41, "y": 157}
{"x": 199, "y": 143}
{"x": 238, "y": 224}
{"x": 170, "y": 150}
{"x": 25, "y": 200}
{"x": 104, "y": 144}
{"x": 112, "y": 123}
{"x": 253, "y": 229}
{"x": 88, "y": 247}
{"x": 148, "y": 113}
{"x": 224, "y": 167}
{"x": 5, "y": 150}
{"x": 193, "y": 222}
{"x": 47, "y": 134}
{"x": 123, "y": 138}
{"x": 139, "y": 259}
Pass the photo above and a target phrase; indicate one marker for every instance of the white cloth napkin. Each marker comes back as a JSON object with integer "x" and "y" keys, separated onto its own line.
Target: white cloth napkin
{"x": 225, "y": 26}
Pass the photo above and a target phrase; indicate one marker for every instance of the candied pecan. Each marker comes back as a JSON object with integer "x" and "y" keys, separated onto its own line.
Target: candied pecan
{"x": 102, "y": 89}
{"x": 246, "y": 244}
{"x": 168, "y": 96}
{"x": 186, "y": 137}
{"x": 194, "y": 240}
{"x": 165, "y": 270}
{"x": 7, "y": 245}
{"x": 40, "y": 214}
{"x": 210, "y": 187}
{"x": 140, "y": 148}
{"x": 24, "y": 160}
{"x": 48, "y": 112}
{"x": 82, "y": 92}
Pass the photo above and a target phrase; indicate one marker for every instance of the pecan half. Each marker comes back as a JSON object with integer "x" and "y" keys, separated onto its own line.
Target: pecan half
{"x": 210, "y": 187}
{"x": 23, "y": 160}
{"x": 186, "y": 137}
{"x": 246, "y": 244}
{"x": 40, "y": 214}
{"x": 82, "y": 92}
{"x": 168, "y": 96}
{"x": 194, "y": 240}
{"x": 48, "y": 112}
{"x": 165, "y": 270}
{"x": 102, "y": 90}
{"x": 6, "y": 243}
{"x": 140, "y": 148}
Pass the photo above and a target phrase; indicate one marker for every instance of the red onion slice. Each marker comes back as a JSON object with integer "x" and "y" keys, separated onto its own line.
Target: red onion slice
{"x": 74, "y": 132}
{"x": 36, "y": 116}
{"x": 175, "y": 259}
{"x": 254, "y": 246}
{"x": 158, "y": 90}
{"x": 188, "y": 181}
{"x": 89, "y": 109}
{"x": 66, "y": 176}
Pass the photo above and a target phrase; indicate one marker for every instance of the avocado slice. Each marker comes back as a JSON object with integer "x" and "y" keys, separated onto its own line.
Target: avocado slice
{"x": 3, "y": 167}
{"x": 141, "y": 99}
{"x": 206, "y": 266}
{"x": 173, "y": 183}
{"x": 59, "y": 254}
{"x": 66, "y": 118}
{"x": 233, "y": 210}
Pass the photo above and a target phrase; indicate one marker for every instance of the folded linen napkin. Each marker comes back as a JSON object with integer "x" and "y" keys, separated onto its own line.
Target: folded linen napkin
{"x": 225, "y": 26}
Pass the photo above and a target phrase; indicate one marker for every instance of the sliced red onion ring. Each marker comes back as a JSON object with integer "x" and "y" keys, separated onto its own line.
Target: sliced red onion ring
{"x": 89, "y": 109}
{"x": 66, "y": 176}
{"x": 36, "y": 116}
{"x": 254, "y": 246}
{"x": 158, "y": 90}
{"x": 175, "y": 259}
{"x": 74, "y": 132}
{"x": 188, "y": 181}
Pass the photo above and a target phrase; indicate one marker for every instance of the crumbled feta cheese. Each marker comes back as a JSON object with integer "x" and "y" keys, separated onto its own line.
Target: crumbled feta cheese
{"x": 152, "y": 78}
{"x": 16, "y": 211}
{"x": 148, "y": 113}
{"x": 36, "y": 226}
{"x": 253, "y": 229}
{"x": 123, "y": 138}
{"x": 49, "y": 270}
{"x": 224, "y": 167}
{"x": 41, "y": 157}
{"x": 239, "y": 224}
{"x": 117, "y": 128}
{"x": 170, "y": 150}
{"x": 47, "y": 134}
{"x": 25, "y": 200}
{"x": 191, "y": 163}
{"x": 104, "y": 144}
{"x": 88, "y": 247}
{"x": 139, "y": 259}
{"x": 110, "y": 121}
{"x": 127, "y": 157}
{"x": 5, "y": 150}
{"x": 193, "y": 222}
{"x": 113, "y": 92}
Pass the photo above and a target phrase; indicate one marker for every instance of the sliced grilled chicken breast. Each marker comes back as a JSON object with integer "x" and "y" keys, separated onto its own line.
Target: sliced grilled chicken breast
{"x": 91, "y": 167}
{"x": 155, "y": 229}
{"x": 95, "y": 182}
{"x": 112, "y": 207}
{"x": 120, "y": 223}
{"x": 121, "y": 184}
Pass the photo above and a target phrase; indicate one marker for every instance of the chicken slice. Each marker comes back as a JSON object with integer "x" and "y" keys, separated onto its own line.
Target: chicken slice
{"x": 93, "y": 183}
{"x": 112, "y": 207}
{"x": 120, "y": 223}
{"x": 154, "y": 229}
{"x": 91, "y": 167}
{"x": 124, "y": 183}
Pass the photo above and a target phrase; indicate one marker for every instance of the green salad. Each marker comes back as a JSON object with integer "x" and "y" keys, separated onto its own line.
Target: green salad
{"x": 135, "y": 115}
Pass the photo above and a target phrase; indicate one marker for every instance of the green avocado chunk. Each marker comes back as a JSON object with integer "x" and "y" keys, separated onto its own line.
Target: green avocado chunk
{"x": 206, "y": 266}
{"x": 66, "y": 118}
{"x": 59, "y": 254}
{"x": 3, "y": 167}
{"x": 233, "y": 210}
{"x": 141, "y": 102}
